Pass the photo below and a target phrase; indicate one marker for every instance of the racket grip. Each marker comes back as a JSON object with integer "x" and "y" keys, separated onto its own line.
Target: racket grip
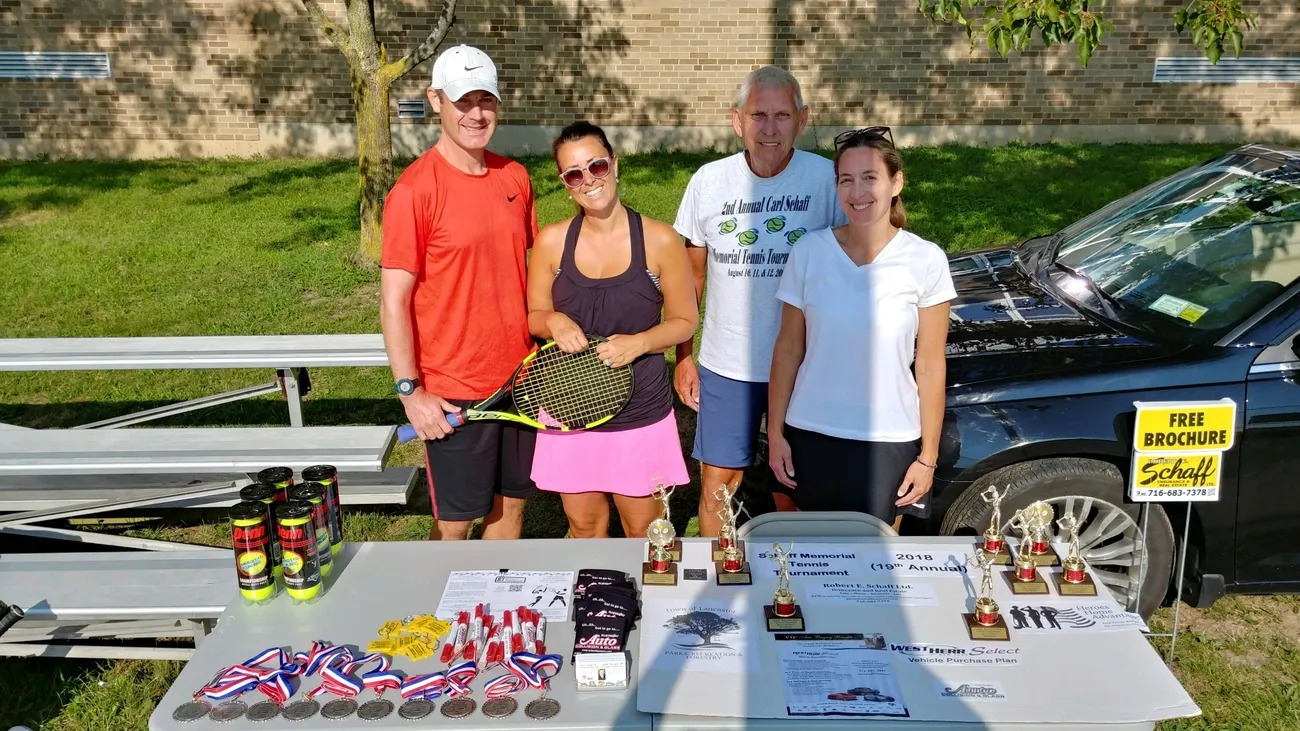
{"x": 407, "y": 433}
{"x": 9, "y": 616}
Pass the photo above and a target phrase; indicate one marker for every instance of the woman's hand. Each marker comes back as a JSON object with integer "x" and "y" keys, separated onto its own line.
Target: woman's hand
{"x": 916, "y": 484}
{"x": 620, "y": 350}
{"x": 566, "y": 333}
{"x": 779, "y": 459}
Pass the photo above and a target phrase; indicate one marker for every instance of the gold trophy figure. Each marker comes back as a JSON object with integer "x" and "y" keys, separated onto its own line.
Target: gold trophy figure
{"x": 660, "y": 569}
{"x": 995, "y": 543}
{"x": 1023, "y": 577}
{"x": 732, "y": 568}
{"x": 674, "y": 546}
{"x": 783, "y": 614}
{"x": 1073, "y": 579}
{"x": 728, "y": 515}
{"x": 1040, "y": 549}
{"x": 986, "y": 622}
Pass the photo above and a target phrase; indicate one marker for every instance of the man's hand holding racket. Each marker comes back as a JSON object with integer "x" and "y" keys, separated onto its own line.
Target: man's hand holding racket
{"x": 427, "y": 413}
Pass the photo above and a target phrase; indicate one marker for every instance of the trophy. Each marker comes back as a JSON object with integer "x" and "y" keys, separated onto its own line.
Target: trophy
{"x": 995, "y": 543}
{"x": 674, "y": 546}
{"x": 660, "y": 569}
{"x": 1029, "y": 522}
{"x": 732, "y": 568}
{"x": 986, "y": 622}
{"x": 1073, "y": 579}
{"x": 783, "y": 615}
{"x": 727, "y": 535}
{"x": 1040, "y": 550}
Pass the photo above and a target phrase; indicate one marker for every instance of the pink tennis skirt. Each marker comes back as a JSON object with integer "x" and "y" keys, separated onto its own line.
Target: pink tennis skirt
{"x": 629, "y": 462}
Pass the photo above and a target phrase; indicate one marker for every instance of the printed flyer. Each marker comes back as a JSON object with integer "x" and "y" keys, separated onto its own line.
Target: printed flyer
{"x": 838, "y": 675}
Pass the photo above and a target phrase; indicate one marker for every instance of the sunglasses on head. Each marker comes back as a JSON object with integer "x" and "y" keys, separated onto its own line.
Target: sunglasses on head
{"x": 882, "y": 133}
{"x": 598, "y": 168}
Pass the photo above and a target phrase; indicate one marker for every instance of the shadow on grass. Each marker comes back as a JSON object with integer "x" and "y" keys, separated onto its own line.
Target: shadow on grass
{"x": 36, "y": 690}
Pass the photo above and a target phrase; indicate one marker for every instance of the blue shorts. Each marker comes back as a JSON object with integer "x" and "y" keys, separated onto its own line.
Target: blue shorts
{"x": 726, "y": 431}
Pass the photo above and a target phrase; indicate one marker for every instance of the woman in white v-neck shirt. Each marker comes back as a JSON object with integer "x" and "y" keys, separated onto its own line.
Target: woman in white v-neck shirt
{"x": 850, "y": 426}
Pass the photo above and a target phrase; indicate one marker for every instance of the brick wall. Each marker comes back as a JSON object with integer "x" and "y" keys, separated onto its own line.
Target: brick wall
{"x": 204, "y": 77}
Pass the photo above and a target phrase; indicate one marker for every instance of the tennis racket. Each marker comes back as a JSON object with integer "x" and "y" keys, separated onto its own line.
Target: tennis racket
{"x": 554, "y": 391}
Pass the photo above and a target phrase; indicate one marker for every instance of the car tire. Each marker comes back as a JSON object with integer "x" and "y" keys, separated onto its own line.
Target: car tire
{"x": 1091, "y": 486}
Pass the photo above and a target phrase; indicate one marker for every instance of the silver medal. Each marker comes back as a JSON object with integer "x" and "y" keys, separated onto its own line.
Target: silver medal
{"x": 192, "y": 711}
{"x": 228, "y": 711}
{"x": 375, "y": 709}
{"x": 415, "y": 708}
{"x": 339, "y": 708}
{"x": 542, "y": 708}
{"x": 459, "y": 707}
{"x": 301, "y": 710}
{"x": 264, "y": 711}
{"x": 500, "y": 707}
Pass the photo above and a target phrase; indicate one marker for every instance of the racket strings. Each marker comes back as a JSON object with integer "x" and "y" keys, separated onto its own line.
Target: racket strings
{"x": 571, "y": 390}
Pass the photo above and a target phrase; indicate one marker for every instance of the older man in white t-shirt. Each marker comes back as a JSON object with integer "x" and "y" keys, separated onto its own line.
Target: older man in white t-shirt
{"x": 741, "y": 216}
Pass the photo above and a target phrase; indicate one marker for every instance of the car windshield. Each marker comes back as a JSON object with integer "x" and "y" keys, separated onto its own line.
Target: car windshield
{"x": 1193, "y": 255}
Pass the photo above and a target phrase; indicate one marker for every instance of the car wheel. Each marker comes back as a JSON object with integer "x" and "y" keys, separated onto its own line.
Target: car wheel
{"x": 1110, "y": 535}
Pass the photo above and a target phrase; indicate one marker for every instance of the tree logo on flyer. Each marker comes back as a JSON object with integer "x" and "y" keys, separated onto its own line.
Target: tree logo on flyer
{"x": 701, "y": 630}
{"x": 974, "y": 691}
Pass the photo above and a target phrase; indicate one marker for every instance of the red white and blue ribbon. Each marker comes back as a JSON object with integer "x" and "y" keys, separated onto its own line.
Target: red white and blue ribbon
{"x": 459, "y": 677}
{"x": 527, "y": 670}
{"x": 427, "y": 687}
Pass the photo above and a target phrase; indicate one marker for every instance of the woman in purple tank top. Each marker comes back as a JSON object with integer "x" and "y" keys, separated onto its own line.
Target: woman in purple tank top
{"x": 610, "y": 272}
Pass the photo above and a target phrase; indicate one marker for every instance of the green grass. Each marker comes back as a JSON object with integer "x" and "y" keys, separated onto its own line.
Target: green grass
{"x": 243, "y": 247}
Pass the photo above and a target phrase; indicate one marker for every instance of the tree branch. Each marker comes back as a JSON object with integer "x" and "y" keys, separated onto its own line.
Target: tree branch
{"x": 399, "y": 68}
{"x": 336, "y": 35}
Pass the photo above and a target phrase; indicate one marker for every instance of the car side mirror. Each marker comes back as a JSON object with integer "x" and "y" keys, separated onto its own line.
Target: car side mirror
{"x": 1295, "y": 346}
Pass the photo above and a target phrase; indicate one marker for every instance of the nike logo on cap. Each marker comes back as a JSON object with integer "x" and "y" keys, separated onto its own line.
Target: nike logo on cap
{"x": 471, "y": 68}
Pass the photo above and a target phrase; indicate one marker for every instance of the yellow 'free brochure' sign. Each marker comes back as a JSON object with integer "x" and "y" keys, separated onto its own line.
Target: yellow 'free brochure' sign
{"x": 1185, "y": 426}
{"x": 1192, "y": 476}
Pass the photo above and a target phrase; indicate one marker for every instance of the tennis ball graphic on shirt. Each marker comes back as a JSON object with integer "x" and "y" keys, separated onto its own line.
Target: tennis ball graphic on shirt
{"x": 774, "y": 224}
{"x": 727, "y": 226}
{"x": 795, "y": 235}
{"x": 747, "y": 238}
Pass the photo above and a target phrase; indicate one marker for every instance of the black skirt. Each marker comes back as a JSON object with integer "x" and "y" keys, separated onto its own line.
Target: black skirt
{"x": 833, "y": 473}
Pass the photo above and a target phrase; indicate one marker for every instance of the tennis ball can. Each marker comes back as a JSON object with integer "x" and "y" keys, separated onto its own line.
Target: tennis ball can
{"x": 328, "y": 476}
{"x": 314, "y": 494}
{"x": 281, "y": 478}
{"x": 250, "y": 534}
{"x": 264, "y": 493}
{"x": 302, "y": 576}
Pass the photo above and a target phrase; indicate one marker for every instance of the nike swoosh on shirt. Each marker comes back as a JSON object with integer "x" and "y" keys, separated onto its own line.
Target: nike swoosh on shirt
{"x": 511, "y": 198}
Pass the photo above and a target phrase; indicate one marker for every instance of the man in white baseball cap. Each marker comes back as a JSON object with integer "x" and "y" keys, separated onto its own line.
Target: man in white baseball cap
{"x": 463, "y": 69}
{"x": 457, "y": 227}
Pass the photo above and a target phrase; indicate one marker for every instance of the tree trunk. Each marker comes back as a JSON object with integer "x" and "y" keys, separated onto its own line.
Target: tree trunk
{"x": 375, "y": 161}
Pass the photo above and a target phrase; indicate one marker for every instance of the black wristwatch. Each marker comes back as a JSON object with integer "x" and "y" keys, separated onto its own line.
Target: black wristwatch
{"x": 407, "y": 386}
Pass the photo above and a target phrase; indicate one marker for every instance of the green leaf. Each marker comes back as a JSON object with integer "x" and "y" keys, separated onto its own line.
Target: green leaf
{"x": 1213, "y": 51}
{"x": 1004, "y": 43}
{"x": 1234, "y": 35}
{"x": 1085, "y": 52}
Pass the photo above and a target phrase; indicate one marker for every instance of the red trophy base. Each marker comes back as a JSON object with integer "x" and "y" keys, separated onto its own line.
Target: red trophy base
{"x": 719, "y": 547}
{"x": 1001, "y": 555}
{"x": 1021, "y": 585}
{"x": 665, "y": 575}
{"x": 977, "y": 630}
{"x": 1044, "y": 557}
{"x": 728, "y": 573}
{"x": 1066, "y": 587}
{"x": 782, "y": 622}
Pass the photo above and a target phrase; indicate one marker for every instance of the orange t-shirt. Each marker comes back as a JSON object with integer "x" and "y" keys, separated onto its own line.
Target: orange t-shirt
{"x": 464, "y": 237}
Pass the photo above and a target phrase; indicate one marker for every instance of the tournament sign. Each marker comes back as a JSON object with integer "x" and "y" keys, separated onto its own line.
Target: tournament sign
{"x": 1178, "y": 449}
